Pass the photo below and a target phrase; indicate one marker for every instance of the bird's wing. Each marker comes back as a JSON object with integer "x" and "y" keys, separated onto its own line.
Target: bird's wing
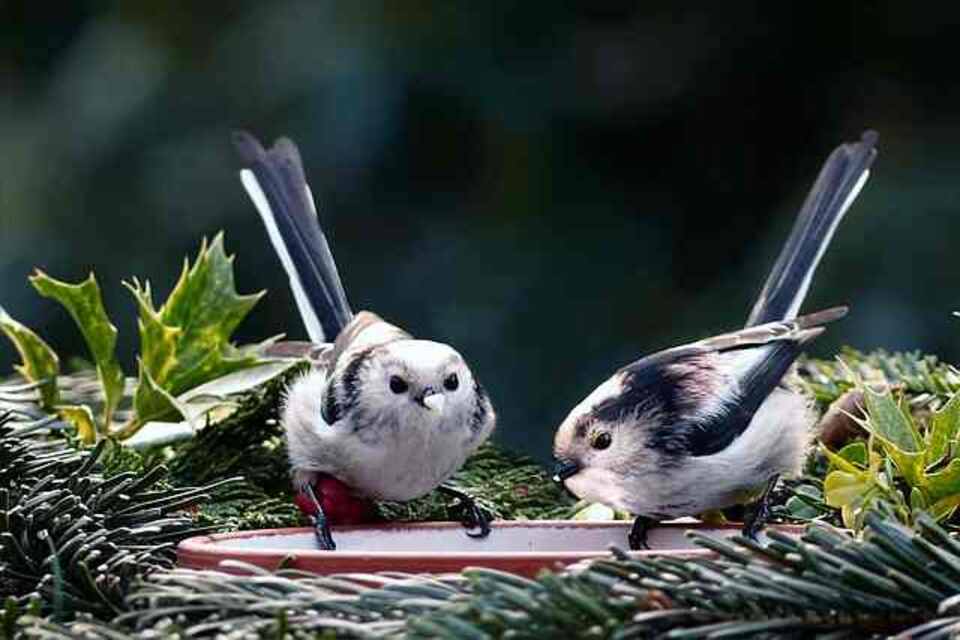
{"x": 842, "y": 177}
{"x": 700, "y": 397}
{"x": 365, "y": 331}
{"x": 275, "y": 181}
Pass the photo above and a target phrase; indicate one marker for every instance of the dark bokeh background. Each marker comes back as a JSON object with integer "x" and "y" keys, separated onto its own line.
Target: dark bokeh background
{"x": 554, "y": 191}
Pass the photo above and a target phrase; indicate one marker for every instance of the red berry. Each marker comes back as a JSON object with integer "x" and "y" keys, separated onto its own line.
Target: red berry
{"x": 340, "y": 504}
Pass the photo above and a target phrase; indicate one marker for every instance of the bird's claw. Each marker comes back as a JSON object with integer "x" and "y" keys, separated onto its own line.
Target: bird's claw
{"x": 473, "y": 517}
{"x": 321, "y": 526}
{"x": 758, "y": 513}
{"x": 638, "y": 534}
{"x": 756, "y": 519}
{"x": 321, "y": 530}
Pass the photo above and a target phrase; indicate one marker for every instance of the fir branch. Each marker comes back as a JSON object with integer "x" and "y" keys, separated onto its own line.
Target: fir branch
{"x": 924, "y": 377}
{"x": 894, "y": 580}
{"x": 248, "y": 443}
{"x": 509, "y": 486}
{"x": 75, "y": 536}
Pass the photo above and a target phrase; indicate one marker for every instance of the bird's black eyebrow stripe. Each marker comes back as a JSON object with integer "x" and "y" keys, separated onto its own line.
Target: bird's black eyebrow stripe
{"x": 648, "y": 386}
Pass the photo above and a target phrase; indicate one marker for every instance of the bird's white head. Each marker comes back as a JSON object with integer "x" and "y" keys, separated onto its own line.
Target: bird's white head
{"x": 598, "y": 458}
{"x": 417, "y": 384}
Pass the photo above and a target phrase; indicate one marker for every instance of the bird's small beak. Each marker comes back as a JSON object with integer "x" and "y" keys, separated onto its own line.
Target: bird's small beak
{"x": 432, "y": 401}
{"x": 564, "y": 469}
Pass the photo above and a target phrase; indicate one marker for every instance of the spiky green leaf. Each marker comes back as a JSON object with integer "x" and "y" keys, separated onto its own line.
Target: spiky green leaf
{"x": 889, "y": 421}
{"x": 151, "y": 403}
{"x": 38, "y": 361}
{"x": 82, "y": 419}
{"x": 896, "y": 432}
{"x": 85, "y": 304}
{"x": 186, "y": 342}
{"x": 944, "y": 426}
{"x": 855, "y": 452}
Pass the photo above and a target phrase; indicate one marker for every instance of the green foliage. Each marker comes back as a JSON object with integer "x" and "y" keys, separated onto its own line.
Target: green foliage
{"x": 183, "y": 344}
{"x": 247, "y": 443}
{"x": 826, "y": 584}
{"x": 250, "y": 443}
{"x": 884, "y": 582}
{"x": 509, "y": 486}
{"x": 85, "y": 305}
{"x": 39, "y": 362}
{"x": 922, "y": 377}
{"x": 73, "y": 534}
{"x": 915, "y": 470}
{"x": 186, "y": 342}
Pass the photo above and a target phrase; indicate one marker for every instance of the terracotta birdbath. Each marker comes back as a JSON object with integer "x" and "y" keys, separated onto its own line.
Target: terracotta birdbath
{"x": 522, "y": 547}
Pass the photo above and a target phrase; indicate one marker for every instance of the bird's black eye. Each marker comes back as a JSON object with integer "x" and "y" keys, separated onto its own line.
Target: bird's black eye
{"x": 601, "y": 440}
{"x": 398, "y": 384}
{"x": 451, "y": 382}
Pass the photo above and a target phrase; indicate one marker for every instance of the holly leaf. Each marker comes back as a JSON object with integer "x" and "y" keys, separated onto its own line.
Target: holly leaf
{"x": 81, "y": 418}
{"x": 185, "y": 342}
{"x": 839, "y": 462}
{"x": 855, "y": 452}
{"x": 889, "y": 421}
{"x": 945, "y": 482}
{"x": 943, "y": 509}
{"x": 39, "y": 362}
{"x": 152, "y": 403}
{"x": 943, "y": 430}
{"x": 896, "y": 433}
{"x": 841, "y": 488}
{"x": 85, "y": 304}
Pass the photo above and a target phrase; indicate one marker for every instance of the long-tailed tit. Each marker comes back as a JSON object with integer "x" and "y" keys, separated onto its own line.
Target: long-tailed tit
{"x": 711, "y": 424}
{"x": 381, "y": 415}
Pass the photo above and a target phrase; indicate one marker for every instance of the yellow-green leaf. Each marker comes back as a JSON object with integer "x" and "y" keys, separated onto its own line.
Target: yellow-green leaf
{"x": 841, "y": 488}
{"x": 944, "y": 508}
{"x": 85, "y": 304}
{"x": 150, "y": 404}
{"x": 888, "y": 420}
{"x": 896, "y": 433}
{"x": 158, "y": 342}
{"x": 943, "y": 430}
{"x": 81, "y": 418}
{"x": 918, "y": 501}
{"x": 855, "y": 452}
{"x": 38, "y": 361}
{"x": 838, "y": 462}
{"x": 186, "y": 342}
{"x": 595, "y": 511}
{"x": 944, "y": 482}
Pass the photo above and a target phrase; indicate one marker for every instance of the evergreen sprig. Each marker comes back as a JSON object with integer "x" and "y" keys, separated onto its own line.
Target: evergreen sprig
{"x": 923, "y": 377}
{"x": 74, "y": 536}
{"x": 824, "y": 584}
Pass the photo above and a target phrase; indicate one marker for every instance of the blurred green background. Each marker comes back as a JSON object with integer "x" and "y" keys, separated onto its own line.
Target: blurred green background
{"x": 554, "y": 190}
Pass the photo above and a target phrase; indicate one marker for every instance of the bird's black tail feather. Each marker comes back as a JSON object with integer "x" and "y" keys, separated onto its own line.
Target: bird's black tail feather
{"x": 840, "y": 180}
{"x": 275, "y": 181}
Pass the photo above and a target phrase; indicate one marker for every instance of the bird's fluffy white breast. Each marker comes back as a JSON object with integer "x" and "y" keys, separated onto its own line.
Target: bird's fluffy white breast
{"x": 399, "y": 452}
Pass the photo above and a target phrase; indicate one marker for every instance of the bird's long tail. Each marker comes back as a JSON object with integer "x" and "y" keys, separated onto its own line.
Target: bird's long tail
{"x": 840, "y": 180}
{"x": 275, "y": 181}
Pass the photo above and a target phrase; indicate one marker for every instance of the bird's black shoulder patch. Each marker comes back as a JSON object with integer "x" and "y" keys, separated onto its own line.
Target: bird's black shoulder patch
{"x": 332, "y": 410}
{"x": 342, "y": 400}
{"x": 479, "y": 415}
{"x": 671, "y": 389}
